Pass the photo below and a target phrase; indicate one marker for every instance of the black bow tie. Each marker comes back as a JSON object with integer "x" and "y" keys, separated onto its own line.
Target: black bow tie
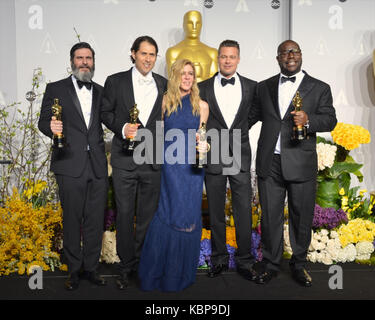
{"x": 286, "y": 79}
{"x": 86, "y": 84}
{"x": 225, "y": 81}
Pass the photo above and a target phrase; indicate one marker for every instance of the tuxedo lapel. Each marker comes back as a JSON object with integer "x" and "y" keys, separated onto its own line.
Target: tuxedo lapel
{"x": 94, "y": 103}
{"x": 77, "y": 106}
{"x": 214, "y": 107}
{"x": 126, "y": 85}
{"x": 245, "y": 93}
{"x": 273, "y": 88}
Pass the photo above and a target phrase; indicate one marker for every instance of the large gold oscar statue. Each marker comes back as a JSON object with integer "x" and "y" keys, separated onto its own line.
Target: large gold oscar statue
{"x": 203, "y": 57}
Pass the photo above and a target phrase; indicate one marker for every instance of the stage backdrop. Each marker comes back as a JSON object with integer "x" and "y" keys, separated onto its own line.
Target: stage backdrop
{"x": 336, "y": 36}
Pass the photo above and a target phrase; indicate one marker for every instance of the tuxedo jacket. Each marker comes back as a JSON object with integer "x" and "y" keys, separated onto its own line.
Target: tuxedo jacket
{"x": 241, "y": 122}
{"x": 82, "y": 143}
{"x": 298, "y": 158}
{"x": 118, "y": 99}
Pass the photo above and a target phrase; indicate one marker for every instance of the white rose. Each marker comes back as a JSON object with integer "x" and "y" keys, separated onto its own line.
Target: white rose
{"x": 364, "y": 247}
{"x": 326, "y": 155}
{"x": 327, "y": 259}
{"x": 334, "y": 234}
{"x": 350, "y": 252}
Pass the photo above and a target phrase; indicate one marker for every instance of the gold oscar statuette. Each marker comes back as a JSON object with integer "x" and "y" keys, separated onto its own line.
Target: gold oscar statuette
{"x": 299, "y": 132}
{"x": 134, "y": 112}
{"x": 58, "y": 139}
{"x": 203, "y": 57}
{"x": 202, "y": 156}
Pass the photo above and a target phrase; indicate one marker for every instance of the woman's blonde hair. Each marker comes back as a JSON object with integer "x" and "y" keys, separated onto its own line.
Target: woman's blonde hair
{"x": 172, "y": 98}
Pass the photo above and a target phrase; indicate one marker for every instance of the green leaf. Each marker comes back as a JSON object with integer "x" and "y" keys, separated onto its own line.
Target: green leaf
{"x": 340, "y": 167}
{"x": 327, "y": 194}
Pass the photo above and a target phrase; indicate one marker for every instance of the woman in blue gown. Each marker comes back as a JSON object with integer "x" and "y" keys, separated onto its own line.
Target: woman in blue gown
{"x": 170, "y": 253}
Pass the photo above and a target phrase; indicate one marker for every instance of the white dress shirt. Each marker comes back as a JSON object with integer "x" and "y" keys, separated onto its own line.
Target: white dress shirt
{"x": 145, "y": 94}
{"x": 85, "y": 100}
{"x": 287, "y": 90}
{"x": 228, "y": 97}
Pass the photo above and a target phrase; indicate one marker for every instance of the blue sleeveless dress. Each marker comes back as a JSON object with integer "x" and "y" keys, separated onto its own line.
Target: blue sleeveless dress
{"x": 170, "y": 252}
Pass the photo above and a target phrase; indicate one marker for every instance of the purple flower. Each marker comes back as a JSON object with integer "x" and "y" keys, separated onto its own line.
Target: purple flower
{"x": 110, "y": 219}
{"x": 328, "y": 218}
{"x": 205, "y": 253}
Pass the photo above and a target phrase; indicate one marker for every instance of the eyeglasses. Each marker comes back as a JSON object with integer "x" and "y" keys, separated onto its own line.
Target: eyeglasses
{"x": 286, "y": 52}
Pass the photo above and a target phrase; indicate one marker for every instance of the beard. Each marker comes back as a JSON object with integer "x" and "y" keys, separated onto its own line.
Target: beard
{"x": 85, "y": 76}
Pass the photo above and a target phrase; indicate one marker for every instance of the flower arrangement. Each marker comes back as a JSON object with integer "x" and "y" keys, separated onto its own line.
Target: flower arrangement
{"x": 26, "y": 148}
{"x": 28, "y": 231}
{"x": 326, "y": 247}
{"x": 334, "y": 176}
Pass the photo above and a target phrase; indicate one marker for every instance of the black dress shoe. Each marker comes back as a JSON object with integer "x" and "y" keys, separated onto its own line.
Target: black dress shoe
{"x": 72, "y": 282}
{"x": 122, "y": 281}
{"x": 95, "y": 278}
{"x": 247, "y": 273}
{"x": 302, "y": 277}
{"x": 216, "y": 270}
{"x": 266, "y": 276}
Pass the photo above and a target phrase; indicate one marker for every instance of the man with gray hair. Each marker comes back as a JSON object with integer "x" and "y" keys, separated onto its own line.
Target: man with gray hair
{"x": 80, "y": 165}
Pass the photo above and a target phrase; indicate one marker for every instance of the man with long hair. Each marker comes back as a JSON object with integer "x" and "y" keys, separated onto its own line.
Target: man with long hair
{"x": 136, "y": 186}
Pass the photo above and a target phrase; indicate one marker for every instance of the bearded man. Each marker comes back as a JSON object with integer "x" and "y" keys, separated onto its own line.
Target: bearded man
{"x": 80, "y": 165}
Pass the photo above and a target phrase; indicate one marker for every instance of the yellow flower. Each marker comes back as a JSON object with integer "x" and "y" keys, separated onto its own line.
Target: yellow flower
{"x": 206, "y": 234}
{"x": 63, "y": 267}
{"x": 356, "y": 230}
{"x": 342, "y": 192}
{"x": 350, "y": 136}
{"x": 26, "y": 233}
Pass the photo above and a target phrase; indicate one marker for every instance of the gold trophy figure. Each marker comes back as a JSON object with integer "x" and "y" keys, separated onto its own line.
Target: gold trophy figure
{"x": 134, "y": 112}
{"x": 191, "y": 48}
{"x": 202, "y": 156}
{"x": 299, "y": 132}
{"x": 58, "y": 139}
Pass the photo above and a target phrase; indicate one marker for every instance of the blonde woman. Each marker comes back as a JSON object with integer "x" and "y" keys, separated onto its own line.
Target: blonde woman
{"x": 170, "y": 252}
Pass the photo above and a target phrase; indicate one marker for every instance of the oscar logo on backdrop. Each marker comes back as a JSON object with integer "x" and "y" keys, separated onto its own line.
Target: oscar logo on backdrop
{"x": 191, "y": 48}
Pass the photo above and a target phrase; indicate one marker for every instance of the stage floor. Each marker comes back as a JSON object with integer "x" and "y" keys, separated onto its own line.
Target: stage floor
{"x": 358, "y": 282}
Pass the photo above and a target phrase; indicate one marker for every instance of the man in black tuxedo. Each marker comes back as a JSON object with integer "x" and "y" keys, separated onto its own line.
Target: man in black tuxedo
{"x": 229, "y": 96}
{"x": 80, "y": 167}
{"x": 136, "y": 186}
{"x": 285, "y": 166}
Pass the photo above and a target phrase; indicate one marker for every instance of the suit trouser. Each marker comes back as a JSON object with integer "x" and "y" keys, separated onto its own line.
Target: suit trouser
{"x": 136, "y": 193}
{"x": 240, "y": 185}
{"x": 301, "y": 202}
{"x": 83, "y": 200}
